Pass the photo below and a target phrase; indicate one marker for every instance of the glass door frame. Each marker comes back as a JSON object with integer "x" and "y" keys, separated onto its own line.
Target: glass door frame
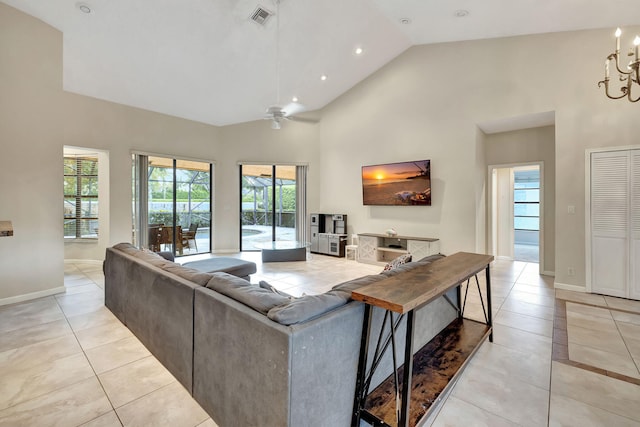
{"x": 140, "y": 173}
{"x": 299, "y": 180}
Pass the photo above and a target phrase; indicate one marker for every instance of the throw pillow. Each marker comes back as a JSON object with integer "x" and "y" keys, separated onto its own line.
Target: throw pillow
{"x": 402, "y": 259}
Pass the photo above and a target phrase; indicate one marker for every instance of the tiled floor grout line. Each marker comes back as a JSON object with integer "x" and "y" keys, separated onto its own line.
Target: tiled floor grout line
{"x": 88, "y": 361}
{"x": 560, "y": 345}
{"x": 558, "y": 337}
{"x": 113, "y": 408}
{"x": 615, "y": 322}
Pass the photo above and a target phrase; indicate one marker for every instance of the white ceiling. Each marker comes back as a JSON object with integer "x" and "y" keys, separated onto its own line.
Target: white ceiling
{"x": 205, "y": 60}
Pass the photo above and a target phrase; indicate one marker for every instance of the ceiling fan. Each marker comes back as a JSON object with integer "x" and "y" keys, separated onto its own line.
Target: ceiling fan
{"x": 278, "y": 113}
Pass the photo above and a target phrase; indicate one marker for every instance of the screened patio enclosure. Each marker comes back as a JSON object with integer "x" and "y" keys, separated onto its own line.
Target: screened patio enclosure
{"x": 174, "y": 204}
{"x": 269, "y": 203}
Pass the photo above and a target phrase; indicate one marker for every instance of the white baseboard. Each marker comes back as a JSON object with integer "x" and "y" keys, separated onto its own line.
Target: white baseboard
{"x": 568, "y": 287}
{"x": 549, "y": 273}
{"x": 85, "y": 261}
{"x": 32, "y": 295}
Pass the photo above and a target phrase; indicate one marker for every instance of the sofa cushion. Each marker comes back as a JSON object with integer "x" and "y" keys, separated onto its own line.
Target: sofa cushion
{"x": 347, "y": 287}
{"x": 305, "y": 308}
{"x": 430, "y": 258}
{"x": 255, "y": 297}
{"x": 270, "y": 287}
{"x": 142, "y": 254}
{"x": 159, "y": 261}
{"x": 189, "y": 274}
{"x": 236, "y": 266}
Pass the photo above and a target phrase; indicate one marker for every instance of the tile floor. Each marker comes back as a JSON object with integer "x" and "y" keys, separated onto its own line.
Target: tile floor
{"x": 66, "y": 361}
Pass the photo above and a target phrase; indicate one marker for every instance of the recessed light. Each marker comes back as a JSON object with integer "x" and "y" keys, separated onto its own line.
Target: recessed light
{"x": 461, "y": 13}
{"x": 294, "y": 99}
{"x": 358, "y": 51}
{"x": 83, "y": 7}
{"x": 323, "y": 77}
{"x": 405, "y": 21}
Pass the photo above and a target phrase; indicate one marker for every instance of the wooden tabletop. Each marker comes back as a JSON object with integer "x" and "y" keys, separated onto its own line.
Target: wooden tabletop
{"x": 411, "y": 289}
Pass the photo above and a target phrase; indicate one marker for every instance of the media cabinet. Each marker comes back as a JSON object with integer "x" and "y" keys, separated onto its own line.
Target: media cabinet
{"x": 381, "y": 248}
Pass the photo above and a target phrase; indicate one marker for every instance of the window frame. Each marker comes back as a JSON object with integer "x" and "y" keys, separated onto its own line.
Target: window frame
{"x": 78, "y": 197}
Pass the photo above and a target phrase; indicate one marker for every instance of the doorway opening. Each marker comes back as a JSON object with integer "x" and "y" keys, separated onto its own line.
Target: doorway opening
{"x": 272, "y": 204}
{"x": 172, "y": 204}
{"x": 526, "y": 213}
{"x": 516, "y": 205}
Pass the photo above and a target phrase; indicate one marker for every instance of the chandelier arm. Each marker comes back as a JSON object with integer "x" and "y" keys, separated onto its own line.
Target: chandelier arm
{"x": 606, "y": 90}
{"x": 616, "y": 56}
{"x": 629, "y": 90}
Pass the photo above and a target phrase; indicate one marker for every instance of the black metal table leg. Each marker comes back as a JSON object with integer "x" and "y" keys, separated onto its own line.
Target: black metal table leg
{"x": 407, "y": 373}
{"x": 490, "y": 313}
{"x": 360, "y": 392}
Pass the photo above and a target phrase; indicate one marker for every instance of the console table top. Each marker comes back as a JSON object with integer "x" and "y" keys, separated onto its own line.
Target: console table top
{"x": 409, "y": 290}
{"x": 386, "y": 236}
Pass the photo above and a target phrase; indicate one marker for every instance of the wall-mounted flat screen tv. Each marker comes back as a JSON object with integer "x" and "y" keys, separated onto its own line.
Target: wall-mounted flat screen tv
{"x": 404, "y": 183}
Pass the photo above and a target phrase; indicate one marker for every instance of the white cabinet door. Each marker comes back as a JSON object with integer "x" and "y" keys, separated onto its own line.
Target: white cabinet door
{"x": 420, "y": 249}
{"x": 367, "y": 249}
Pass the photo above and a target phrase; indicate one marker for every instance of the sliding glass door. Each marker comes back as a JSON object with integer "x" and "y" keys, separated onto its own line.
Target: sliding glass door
{"x": 269, "y": 207}
{"x": 173, "y": 202}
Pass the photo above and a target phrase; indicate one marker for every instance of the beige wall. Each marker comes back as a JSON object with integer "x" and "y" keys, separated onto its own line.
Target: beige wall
{"x": 119, "y": 130}
{"x": 426, "y": 103}
{"x": 256, "y": 142}
{"x": 526, "y": 146}
{"x": 30, "y": 156}
{"x": 37, "y": 120}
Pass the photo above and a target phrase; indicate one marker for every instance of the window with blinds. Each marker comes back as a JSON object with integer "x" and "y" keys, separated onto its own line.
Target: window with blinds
{"x": 526, "y": 196}
{"x": 80, "y": 197}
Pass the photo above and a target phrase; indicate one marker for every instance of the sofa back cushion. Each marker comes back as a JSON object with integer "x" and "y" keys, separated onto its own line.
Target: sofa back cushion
{"x": 186, "y": 273}
{"x": 347, "y": 287}
{"x": 298, "y": 310}
{"x": 255, "y": 297}
{"x": 159, "y": 261}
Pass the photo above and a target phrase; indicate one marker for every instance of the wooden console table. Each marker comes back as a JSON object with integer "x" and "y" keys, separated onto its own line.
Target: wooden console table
{"x": 403, "y": 294}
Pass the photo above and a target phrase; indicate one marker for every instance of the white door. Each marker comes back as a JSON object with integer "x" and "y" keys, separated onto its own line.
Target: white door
{"x": 615, "y": 223}
{"x": 634, "y": 274}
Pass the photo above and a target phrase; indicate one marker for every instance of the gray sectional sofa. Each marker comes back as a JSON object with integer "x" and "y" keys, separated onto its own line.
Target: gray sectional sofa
{"x": 248, "y": 355}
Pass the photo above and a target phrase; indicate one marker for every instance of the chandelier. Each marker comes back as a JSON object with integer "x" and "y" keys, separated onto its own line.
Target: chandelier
{"x": 629, "y": 75}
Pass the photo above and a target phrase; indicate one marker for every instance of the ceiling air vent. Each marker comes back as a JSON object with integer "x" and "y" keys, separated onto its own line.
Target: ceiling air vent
{"x": 260, "y": 15}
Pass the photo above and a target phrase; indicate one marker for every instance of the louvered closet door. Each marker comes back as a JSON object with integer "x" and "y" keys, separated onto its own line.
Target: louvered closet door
{"x": 634, "y": 276}
{"x": 610, "y": 222}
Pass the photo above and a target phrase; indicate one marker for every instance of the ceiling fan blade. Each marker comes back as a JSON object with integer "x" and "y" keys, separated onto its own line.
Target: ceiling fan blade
{"x": 302, "y": 119}
{"x": 293, "y": 108}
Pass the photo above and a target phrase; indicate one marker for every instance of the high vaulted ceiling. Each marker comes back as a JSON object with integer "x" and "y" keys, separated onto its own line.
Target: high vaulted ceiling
{"x": 205, "y": 60}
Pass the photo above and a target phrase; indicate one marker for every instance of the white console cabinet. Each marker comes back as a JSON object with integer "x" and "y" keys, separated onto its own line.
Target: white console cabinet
{"x": 380, "y": 248}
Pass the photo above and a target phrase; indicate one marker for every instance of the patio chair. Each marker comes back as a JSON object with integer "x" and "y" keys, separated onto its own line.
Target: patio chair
{"x": 190, "y": 234}
{"x": 155, "y": 238}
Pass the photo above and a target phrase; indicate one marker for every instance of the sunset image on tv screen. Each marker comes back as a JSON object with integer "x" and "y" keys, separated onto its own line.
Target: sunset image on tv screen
{"x": 406, "y": 183}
